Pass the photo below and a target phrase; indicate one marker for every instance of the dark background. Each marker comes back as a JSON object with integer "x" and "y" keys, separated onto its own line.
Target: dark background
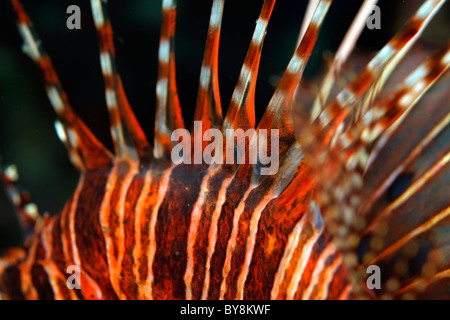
{"x": 27, "y": 136}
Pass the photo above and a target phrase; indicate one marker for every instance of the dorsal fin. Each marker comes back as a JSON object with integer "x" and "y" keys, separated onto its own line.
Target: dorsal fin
{"x": 344, "y": 50}
{"x": 278, "y": 114}
{"x": 127, "y": 135}
{"x": 390, "y": 110}
{"x": 208, "y": 109}
{"x": 168, "y": 111}
{"x": 26, "y": 211}
{"x": 386, "y": 118}
{"x": 310, "y": 9}
{"x": 85, "y": 151}
{"x": 405, "y": 207}
{"x": 338, "y": 173}
{"x": 241, "y": 111}
{"x": 341, "y": 110}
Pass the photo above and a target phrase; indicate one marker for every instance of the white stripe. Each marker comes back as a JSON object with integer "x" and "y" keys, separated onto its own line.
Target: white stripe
{"x": 73, "y": 239}
{"x": 237, "y": 96}
{"x": 161, "y": 90}
{"x": 245, "y": 74}
{"x": 232, "y": 243}
{"x": 73, "y": 138}
{"x": 120, "y": 211}
{"x": 164, "y": 51}
{"x": 97, "y": 13}
{"x": 425, "y": 9}
{"x": 346, "y": 97}
{"x": 318, "y": 270}
{"x": 31, "y": 47}
{"x": 295, "y": 64}
{"x": 291, "y": 245}
{"x": 55, "y": 277}
{"x": 446, "y": 59}
{"x": 329, "y": 276}
{"x": 419, "y": 86}
{"x": 167, "y": 4}
{"x": 250, "y": 246}
{"x": 301, "y": 264}
{"x": 55, "y": 99}
{"x": 320, "y": 12}
{"x": 137, "y": 250}
{"x": 152, "y": 237}
{"x": 60, "y": 131}
{"x": 416, "y": 75}
{"x": 105, "y": 63}
{"x": 212, "y": 235}
{"x": 216, "y": 14}
{"x": 406, "y": 100}
{"x": 345, "y": 294}
{"x": 104, "y": 213}
{"x": 205, "y": 76}
{"x": 324, "y": 117}
{"x": 111, "y": 98}
{"x": 382, "y": 57}
{"x": 193, "y": 227}
{"x": 259, "y": 32}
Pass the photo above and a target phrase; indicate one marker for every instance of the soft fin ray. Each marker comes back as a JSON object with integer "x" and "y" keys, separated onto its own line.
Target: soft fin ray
{"x": 344, "y": 50}
{"x": 208, "y": 108}
{"x": 85, "y": 151}
{"x": 241, "y": 111}
{"x": 27, "y": 211}
{"x": 168, "y": 110}
{"x": 128, "y": 138}
{"x": 341, "y": 110}
{"x": 278, "y": 114}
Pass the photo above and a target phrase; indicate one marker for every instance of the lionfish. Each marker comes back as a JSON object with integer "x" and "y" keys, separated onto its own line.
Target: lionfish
{"x": 139, "y": 226}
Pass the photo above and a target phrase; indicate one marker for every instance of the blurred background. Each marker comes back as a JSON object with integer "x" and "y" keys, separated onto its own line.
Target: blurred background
{"x": 27, "y": 136}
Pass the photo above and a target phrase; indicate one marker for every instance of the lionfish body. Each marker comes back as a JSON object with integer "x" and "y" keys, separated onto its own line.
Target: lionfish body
{"x": 139, "y": 226}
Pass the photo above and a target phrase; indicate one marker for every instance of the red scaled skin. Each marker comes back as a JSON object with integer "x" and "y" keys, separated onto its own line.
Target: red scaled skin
{"x": 75, "y": 236}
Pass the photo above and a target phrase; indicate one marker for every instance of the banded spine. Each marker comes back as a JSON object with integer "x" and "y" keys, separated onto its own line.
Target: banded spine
{"x": 140, "y": 227}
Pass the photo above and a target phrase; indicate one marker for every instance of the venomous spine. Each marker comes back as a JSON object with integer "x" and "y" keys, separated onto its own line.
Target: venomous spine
{"x": 140, "y": 227}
